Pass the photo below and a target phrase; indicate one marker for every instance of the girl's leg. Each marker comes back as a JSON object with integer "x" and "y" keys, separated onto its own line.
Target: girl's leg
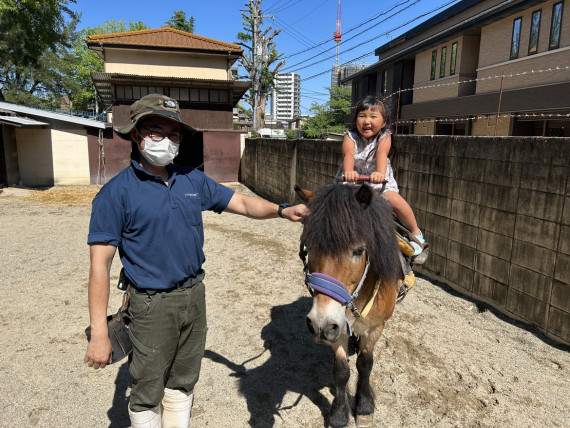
{"x": 403, "y": 211}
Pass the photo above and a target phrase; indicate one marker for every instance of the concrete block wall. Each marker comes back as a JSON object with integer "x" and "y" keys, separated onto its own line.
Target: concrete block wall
{"x": 495, "y": 210}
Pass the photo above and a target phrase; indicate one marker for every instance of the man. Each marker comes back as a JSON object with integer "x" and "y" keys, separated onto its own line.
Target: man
{"x": 152, "y": 212}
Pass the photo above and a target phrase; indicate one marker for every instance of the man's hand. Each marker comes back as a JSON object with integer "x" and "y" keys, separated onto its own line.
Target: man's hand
{"x": 99, "y": 350}
{"x": 296, "y": 212}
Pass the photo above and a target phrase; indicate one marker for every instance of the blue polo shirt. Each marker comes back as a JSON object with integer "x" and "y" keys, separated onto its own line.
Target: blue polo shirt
{"x": 158, "y": 229}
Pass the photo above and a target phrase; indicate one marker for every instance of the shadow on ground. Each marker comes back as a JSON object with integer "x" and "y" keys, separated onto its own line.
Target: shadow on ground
{"x": 296, "y": 365}
{"x": 118, "y": 413}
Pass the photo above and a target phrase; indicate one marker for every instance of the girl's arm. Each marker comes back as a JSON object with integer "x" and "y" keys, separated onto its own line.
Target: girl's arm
{"x": 348, "y": 160}
{"x": 381, "y": 159}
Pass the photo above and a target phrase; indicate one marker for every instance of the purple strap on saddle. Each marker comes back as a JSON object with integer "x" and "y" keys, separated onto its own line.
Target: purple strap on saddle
{"x": 329, "y": 286}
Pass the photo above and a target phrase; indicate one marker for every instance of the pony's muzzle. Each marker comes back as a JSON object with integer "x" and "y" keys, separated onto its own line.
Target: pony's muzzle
{"x": 327, "y": 333}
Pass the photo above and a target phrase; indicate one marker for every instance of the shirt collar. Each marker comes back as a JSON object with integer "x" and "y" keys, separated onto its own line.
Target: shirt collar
{"x": 140, "y": 170}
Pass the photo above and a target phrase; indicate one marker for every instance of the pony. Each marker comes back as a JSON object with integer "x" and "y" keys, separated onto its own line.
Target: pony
{"x": 353, "y": 270}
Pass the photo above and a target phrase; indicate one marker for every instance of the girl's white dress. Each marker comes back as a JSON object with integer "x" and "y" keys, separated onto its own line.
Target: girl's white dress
{"x": 365, "y": 159}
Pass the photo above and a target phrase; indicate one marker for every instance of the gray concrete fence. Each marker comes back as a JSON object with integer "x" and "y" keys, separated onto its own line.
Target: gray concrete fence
{"x": 496, "y": 212}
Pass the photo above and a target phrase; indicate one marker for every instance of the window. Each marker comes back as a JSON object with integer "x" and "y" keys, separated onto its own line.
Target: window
{"x": 433, "y": 64}
{"x": 442, "y": 61}
{"x": 516, "y": 39}
{"x": 453, "y": 59}
{"x": 555, "y": 26}
{"x": 534, "y": 31}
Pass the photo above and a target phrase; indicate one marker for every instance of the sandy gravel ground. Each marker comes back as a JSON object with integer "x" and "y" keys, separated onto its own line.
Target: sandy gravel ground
{"x": 443, "y": 361}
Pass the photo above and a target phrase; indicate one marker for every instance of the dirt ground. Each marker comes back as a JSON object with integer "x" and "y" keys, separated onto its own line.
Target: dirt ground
{"x": 443, "y": 361}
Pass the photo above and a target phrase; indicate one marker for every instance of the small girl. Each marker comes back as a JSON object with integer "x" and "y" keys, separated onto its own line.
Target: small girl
{"x": 365, "y": 148}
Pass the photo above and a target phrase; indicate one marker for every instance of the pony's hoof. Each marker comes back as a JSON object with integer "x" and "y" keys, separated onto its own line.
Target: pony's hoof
{"x": 364, "y": 421}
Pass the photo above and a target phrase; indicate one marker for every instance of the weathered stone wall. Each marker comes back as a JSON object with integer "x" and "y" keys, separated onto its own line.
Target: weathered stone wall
{"x": 496, "y": 212}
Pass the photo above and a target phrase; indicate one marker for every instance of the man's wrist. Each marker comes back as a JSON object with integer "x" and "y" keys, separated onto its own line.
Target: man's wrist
{"x": 280, "y": 209}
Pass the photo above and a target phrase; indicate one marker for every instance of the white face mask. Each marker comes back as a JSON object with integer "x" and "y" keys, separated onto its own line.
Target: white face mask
{"x": 159, "y": 153}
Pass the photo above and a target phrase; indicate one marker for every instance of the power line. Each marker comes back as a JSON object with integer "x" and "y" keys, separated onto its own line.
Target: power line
{"x": 352, "y": 29}
{"x": 374, "y": 38}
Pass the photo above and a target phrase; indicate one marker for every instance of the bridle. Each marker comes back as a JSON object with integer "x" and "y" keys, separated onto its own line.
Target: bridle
{"x": 331, "y": 286}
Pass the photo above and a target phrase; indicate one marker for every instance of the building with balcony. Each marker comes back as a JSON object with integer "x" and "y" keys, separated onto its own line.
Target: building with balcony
{"x": 286, "y": 97}
{"x": 197, "y": 71}
{"x": 478, "y": 68}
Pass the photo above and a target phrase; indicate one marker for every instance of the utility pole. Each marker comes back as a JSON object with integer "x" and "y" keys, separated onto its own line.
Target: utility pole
{"x": 255, "y": 17}
{"x": 261, "y": 55}
{"x": 255, "y": 68}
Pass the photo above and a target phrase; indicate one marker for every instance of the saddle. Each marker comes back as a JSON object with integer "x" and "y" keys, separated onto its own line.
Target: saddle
{"x": 407, "y": 258}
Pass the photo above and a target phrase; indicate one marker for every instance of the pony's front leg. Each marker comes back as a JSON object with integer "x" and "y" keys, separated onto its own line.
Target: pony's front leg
{"x": 364, "y": 393}
{"x": 340, "y": 408}
{"x": 364, "y": 405}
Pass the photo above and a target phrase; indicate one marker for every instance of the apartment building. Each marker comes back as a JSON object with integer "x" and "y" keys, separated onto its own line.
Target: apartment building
{"x": 286, "y": 98}
{"x": 478, "y": 68}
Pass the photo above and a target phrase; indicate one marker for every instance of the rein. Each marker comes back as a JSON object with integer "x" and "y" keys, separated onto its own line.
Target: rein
{"x": 334, "y": 288}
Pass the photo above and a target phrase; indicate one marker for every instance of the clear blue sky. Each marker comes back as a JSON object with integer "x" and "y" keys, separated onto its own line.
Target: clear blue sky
{"x": 307, "y": 26}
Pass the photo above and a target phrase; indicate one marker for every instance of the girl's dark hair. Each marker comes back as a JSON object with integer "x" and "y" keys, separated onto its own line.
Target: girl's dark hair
{"x": 376, "y": 103}
{"x": 373, "y": 103}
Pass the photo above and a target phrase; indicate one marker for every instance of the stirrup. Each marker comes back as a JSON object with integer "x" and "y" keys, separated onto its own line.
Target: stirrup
{"x": 402, "y": 293}
{"x": 421, "y": 257}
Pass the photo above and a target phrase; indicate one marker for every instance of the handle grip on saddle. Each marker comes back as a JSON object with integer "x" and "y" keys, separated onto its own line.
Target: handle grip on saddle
{"x": 362, "y": 178}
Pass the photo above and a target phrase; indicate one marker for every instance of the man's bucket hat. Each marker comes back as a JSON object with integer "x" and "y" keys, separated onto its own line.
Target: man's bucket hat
{"x": 154, "y": 105}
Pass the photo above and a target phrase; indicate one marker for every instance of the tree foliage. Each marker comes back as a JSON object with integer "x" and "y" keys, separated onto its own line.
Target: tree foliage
{"x": 34, "y": 38}
{"x": 45, "y": 61}
{"x": 180, "y": 22}
{"x": 261, "y": 59}
{"x": 329, "y": 117}
{"x": 85, "y": 60}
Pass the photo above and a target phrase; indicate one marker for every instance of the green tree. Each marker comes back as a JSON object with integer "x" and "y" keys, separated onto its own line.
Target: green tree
{"x": 261, "y": 59}
{"x": 329, "y": 117}
{"x": 180, "y": 22}
{"x": 34, "y": 38}
{"x": 290, "y": 134}
{"x": 82, "y": 90}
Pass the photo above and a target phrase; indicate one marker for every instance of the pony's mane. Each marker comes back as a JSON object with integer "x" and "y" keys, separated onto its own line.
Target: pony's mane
{"x": 337, "y": 222}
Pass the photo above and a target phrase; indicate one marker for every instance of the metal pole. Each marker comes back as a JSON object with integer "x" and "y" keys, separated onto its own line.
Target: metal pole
{"x": 254, "y": 50}
{"x": 397, "y": 112}
{"x": 499, "y": 106}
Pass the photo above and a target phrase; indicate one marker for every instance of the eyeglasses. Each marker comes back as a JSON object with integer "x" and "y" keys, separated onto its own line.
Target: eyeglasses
{"x": 156, "y": 135}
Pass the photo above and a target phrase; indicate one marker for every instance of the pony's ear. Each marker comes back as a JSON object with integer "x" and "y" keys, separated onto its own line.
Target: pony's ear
{"x": 364, "y": 196}
{"x": 305, "y": 195}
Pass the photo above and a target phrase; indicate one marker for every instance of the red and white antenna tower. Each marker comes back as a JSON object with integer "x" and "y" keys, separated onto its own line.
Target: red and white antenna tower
{"x": 337, "y": 34}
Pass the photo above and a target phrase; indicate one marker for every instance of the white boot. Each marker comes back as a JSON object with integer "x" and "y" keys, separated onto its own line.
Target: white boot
{"x": 176, "y": 408}
{"x": 147, "y": 419}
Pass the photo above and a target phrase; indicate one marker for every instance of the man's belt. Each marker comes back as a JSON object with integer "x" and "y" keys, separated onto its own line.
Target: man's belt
{"x": 180, "y": 285}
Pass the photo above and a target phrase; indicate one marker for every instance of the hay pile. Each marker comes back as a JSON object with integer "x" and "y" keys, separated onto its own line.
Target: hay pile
{"x": 65, "y": 195}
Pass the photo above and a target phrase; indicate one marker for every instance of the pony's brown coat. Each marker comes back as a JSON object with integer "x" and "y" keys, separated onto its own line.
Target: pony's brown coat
{"x": 360, "y": 223}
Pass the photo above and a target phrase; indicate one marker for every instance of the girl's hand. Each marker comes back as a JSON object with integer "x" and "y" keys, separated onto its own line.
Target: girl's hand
{"x": 351, "y": 176}
{"x": 376, "y": 177}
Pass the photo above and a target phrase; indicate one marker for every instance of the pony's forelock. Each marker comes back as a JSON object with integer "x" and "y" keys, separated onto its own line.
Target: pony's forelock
{"x": 338, "y": 222}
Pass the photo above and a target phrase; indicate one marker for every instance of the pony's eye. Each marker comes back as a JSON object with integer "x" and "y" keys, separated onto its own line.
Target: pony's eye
{"x": 359, "y": 251}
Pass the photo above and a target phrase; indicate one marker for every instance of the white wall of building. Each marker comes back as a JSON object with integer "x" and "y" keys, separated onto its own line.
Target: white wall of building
{"x": 286, "y": 97}
{"x": 70, "y": 157}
